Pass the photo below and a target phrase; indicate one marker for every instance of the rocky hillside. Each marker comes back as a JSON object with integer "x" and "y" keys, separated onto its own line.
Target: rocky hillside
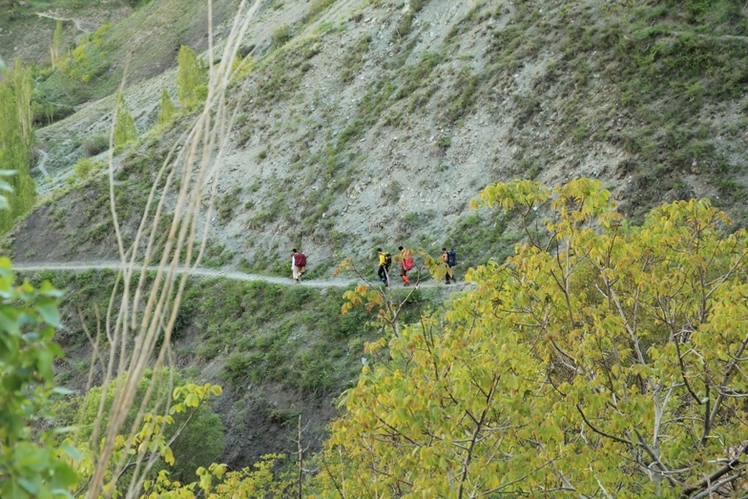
{"x": 365, "y": 123}
{"x": 375, "y": 123}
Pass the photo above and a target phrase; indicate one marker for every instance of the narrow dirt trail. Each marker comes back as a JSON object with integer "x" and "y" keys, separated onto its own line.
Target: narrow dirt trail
{"x": 81, "y": 266}
{"x": 42, "y": 164}
{"x": 76, "y": 22}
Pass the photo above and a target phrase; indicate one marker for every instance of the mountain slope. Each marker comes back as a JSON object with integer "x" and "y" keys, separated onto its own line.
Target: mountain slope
{"x": 375, "y": 123}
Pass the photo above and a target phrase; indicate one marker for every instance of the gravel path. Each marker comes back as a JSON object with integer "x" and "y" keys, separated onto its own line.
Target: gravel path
{"x": 205, "y": 272}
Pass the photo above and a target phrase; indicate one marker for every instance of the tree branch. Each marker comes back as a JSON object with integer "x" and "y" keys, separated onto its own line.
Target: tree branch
{"x": 601, "y": 432}
{"x": 664, "y": 471}
{"x": 474, "y": 438}
{"x": 683, "y": 373}
{"x": 707, "y": 481}
{"x": 725, "y": 379}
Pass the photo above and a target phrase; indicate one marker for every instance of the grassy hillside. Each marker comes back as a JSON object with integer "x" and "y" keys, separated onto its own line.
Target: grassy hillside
{"x": 362, "y": 125}
{"x": 26, "y": 28}
{"x": 279, "y": 351}
{"x": 374, "y": 123}
{"x": 96, "y": 41}
{"x": 146, "y": 43}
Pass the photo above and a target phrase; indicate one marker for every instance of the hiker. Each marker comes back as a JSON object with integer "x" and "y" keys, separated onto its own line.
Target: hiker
{"x": 384, "y": 266}
{"x": 298, "y": 264}
{"x": 448, "y": 260}
{"x": 406, "y": 264}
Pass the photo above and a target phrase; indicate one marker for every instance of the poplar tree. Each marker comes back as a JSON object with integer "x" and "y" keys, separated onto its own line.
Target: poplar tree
{"x": 124, "y": 128}
{"x": 57, "y": 41}
{"x": 167, "y": 109}
{"x": 22, "y": 89}
{"x": 16, "y": 142}
{"x": 191, "y": 76}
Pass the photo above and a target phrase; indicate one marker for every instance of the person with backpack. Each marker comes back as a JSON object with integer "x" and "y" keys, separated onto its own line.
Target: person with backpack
{"x": 298, "y": 264}
{"x": 406, "y": 264}
{"x": 449, "y": 260}
{"x": 383, "y": 271}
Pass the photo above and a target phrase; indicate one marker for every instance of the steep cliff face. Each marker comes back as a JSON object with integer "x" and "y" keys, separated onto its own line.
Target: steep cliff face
{"x": 375, "y": 123}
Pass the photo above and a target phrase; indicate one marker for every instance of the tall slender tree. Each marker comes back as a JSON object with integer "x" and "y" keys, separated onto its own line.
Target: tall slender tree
{"x": 16, "y": 142}
{"x": 192, "y": 75}
{"x": 58, "y": 38}
{"x": 167, "y": 109}
{"x": 124, "y": 128}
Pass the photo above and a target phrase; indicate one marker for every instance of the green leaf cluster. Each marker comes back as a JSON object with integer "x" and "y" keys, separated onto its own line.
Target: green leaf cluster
{"x": 16, "y": 144}
{"x": 192, "y": 78}
{"x": 199, "y": 443}
{"x": 601, "y": 359}
{"x": 88, "y": 60}
{"x": 32, "y": 463}
{"x": 167, "y": 109}
{"x": 125, "y": 131}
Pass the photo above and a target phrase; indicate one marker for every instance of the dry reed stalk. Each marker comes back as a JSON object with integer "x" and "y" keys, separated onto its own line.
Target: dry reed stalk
{"x": 142, "y": 315}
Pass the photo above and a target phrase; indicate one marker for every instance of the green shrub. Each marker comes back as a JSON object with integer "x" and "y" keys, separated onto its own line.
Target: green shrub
{"x": 96, "y": 144}
{"x": 318, "y": 6}
{"x": 167, "y": 109}
{"x": 192, "y": 74}
{"x": 281, "y": 35}
{"x": 199, "y": 444}
{"x": 124, "y": 128}
{"x": 83, "y": 167}
{"x": 227, "y": 203}
{"x": 16, "y": 143}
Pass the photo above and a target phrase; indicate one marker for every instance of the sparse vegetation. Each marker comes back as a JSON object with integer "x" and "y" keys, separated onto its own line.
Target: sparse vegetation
{"x": 16, "y": 146}
{"x": 318, "y": 6}
{"x": 167, "y": 110}
{"x": 281, "y": 35}
{"x": 192, "y": 78}
{"x": 124, "y": 128}
{"x": 365, "y": 122}
{"x": 96, "y": 144}
{"x": 354, "y": 57}
{"x": 227, "y": 203}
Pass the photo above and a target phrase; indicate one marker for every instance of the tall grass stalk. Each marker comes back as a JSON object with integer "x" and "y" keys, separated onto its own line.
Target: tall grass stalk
{"x": 143, "y": 308}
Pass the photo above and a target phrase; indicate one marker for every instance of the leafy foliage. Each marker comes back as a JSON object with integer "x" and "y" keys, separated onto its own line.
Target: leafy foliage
{"x": 215, "y": 482}
{"x": 31, "y": 460}
{"x": 16, "y": 143}
{"x": 600, "y": 359}
{"x": 151, "y": 439}
{"x": 199, "y": 443}
{"x": 124, "y": 128}
{"x": 166, "y": 115}
{"x": 58, "y": 38}
{"x": 192, "y": 78}
{"x": 88, "y": 60}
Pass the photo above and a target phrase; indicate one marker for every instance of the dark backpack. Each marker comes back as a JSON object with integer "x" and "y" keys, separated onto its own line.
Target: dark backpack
{"x": 387, "y": 259}
{"x": 299, "y": 259}
{"x": 451, "y": 258}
